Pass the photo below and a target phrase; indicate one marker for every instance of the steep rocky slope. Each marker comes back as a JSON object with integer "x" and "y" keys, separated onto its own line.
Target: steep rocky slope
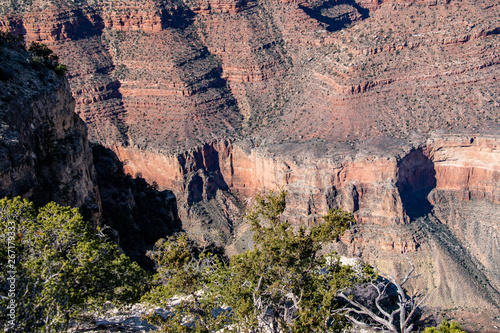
{"x": 389, "y": 109}
{"x": 45, "y": 154}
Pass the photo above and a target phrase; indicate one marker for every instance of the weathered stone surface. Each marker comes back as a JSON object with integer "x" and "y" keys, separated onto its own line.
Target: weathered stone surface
{"x": 45, "y": 156}
{"x": 44, "y": 150}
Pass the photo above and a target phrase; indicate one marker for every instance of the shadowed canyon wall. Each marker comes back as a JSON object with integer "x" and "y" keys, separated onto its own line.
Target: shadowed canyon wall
{"x": 44, "y": 150}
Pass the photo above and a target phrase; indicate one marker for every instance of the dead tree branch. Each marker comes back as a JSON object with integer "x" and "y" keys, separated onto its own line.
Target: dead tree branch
{"x": 383, "y": 317}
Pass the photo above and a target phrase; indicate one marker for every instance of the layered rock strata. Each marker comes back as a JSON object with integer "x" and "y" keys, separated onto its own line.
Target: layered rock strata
{"x": 137, "y": 69}
{"x": 168, "y": 76}
{"x": 437, "y": 201}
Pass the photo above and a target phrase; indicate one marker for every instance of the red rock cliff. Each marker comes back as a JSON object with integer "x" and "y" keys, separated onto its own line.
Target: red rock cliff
{"x": 396, "y": 200}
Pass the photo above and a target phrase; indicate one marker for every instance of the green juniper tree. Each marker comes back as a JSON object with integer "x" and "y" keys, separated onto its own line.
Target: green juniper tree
{"x": 282, "y": 285}
{"x": 62, "y": 266}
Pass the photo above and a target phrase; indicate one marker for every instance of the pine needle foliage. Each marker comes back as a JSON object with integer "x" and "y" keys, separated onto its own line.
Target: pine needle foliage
{"x": 61, "y": 266}
{"x": 282, "y": 285}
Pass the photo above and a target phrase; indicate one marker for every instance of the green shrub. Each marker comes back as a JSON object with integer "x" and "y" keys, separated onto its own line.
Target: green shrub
{"x": 445, "y": 327}
{"x": 42, "y": 54}
{"x": 61, "y": 69}
{"x": 283, "y": 284}
{"x": 61, "y": 266}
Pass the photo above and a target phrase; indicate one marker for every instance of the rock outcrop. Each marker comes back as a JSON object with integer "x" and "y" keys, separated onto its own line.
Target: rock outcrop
{"x": 45, "y": 154}
{"x": 169, "y": 75}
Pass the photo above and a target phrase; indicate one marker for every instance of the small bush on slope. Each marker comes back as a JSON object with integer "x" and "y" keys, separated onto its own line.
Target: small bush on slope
{"x": 445, "y": 327}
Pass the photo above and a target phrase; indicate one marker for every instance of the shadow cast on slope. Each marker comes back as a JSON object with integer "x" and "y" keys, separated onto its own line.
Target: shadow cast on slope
{"x": 84, "y": 27}
{"x": 138, "y": 212}
{"x": 334, "y": 23}
{"x": 416, "y": 179}
{"x": 179, "y": 17}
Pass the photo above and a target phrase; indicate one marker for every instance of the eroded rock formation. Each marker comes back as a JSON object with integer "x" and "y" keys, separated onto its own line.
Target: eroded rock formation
{"x": 44, "y": 150}
{"x": 138, "y": 213}
{"x": 168, "y": 75}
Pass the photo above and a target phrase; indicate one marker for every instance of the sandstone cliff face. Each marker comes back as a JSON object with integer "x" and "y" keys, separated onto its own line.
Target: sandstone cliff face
{"x": 44, "y": 148}
{"x": 438, "y": 201}
{"x": 140, "y": 76}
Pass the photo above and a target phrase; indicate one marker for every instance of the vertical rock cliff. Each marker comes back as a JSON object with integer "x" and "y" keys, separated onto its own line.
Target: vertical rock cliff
{"x": 45, "y": 154}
